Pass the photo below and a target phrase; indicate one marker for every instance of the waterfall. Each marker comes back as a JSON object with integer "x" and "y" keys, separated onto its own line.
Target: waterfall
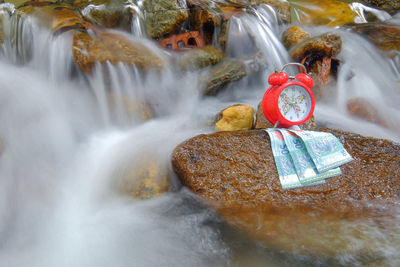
{"x": 68, "y": 137}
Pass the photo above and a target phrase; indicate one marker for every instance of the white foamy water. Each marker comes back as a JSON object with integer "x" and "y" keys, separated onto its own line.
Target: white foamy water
{"x": 64, "y": 137}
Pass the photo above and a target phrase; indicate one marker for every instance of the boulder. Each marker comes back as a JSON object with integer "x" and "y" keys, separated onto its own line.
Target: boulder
{"x": 236, "y": 117}
{"x": 362, "y": 108}
{"x": 263, "y": 123}
{"x": 198, "y": 58}
{"x": 294, "y": 35}
{"x": 164, "y": 17}
{"x": 225, "y": 72}
{"x": 235, "y": 173}
{"x": 102, "y": 46}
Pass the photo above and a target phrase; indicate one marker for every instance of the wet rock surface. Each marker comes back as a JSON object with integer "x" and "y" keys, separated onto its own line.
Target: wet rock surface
{"x": 294, "y": 35}
{"x": 236, "y": 117}
{"x": 200, "y": 57}
{"x": 164, "y": 17}
{"x": 105, "y": 46}
{"x": 227, "y": 71}
{"x": 235, "y": 172}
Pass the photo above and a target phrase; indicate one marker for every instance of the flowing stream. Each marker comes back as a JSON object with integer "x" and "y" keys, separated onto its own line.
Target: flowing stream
{"x": 63, "y": 142}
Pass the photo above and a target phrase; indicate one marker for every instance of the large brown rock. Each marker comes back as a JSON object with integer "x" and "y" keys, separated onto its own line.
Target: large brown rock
{"x": 235, "y": 172}
{"x": 105, "y": 46}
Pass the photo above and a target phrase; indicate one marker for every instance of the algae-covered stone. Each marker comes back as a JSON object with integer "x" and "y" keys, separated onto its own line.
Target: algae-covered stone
{"x": 200, "y": 57}
{"x": 107, "y": 13}
{"x": 294, "y": 35}
{"x": 236, "y": 117}
{"x": 325, "y": 45}
{"x": 236, "y": 173}
{"x": 164, "y": 16}
{"x": 104, "y": 46}
{"x": 227, "y": 71}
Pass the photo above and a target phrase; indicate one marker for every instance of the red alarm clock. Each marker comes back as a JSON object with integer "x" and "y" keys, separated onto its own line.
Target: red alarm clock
{"x": 289, "y": 101}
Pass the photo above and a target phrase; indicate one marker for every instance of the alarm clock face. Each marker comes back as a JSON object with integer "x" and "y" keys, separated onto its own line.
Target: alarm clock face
{"x": 294, "y": 103}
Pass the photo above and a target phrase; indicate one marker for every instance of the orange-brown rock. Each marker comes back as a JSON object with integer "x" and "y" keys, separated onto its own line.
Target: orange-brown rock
{"x": 364, "y": 109}
{"x": 102, "y": 46}
{"x": 263, "y": 123}
{"x": 235, "y": 172}
{"x": 294, "y": 35}
{"x": 326, "y": 45}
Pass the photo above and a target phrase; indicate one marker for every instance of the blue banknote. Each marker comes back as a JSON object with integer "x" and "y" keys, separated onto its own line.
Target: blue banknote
{"x": 304, "y": 165}
{"x": 324, "y": 149}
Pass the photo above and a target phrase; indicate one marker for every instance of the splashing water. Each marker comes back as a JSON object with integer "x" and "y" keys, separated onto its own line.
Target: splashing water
{"x": 64, "y": 138}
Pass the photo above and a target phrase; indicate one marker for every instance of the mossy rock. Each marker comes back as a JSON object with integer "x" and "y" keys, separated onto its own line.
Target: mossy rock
{"x": 198, "y": 58}
{"x": 164, "y": 17}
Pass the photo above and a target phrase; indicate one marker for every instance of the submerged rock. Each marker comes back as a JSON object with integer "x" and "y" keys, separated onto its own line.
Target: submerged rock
{"x": 390, "y": 6}
{"x": 144, "y": 180}
{"x": 263, "y": 123}
{"x": 236, "y": 117}
{"x": 384, "y": 36}
{"x": 227, "y": 71}
{"x": 364, "y": 109}
{"x": 294, "y": 35}
{"x": 200, "y": 58}
{"x": 236, "y": 173}
{"x": 104, "y": 46}
{"x": 163, "y": 17}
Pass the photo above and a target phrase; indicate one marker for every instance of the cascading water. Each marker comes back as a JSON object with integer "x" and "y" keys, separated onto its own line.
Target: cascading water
{"x": 66, "y": 137}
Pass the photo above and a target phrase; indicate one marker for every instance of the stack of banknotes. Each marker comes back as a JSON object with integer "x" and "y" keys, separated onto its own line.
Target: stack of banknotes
{"x": 305, "y": 158}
